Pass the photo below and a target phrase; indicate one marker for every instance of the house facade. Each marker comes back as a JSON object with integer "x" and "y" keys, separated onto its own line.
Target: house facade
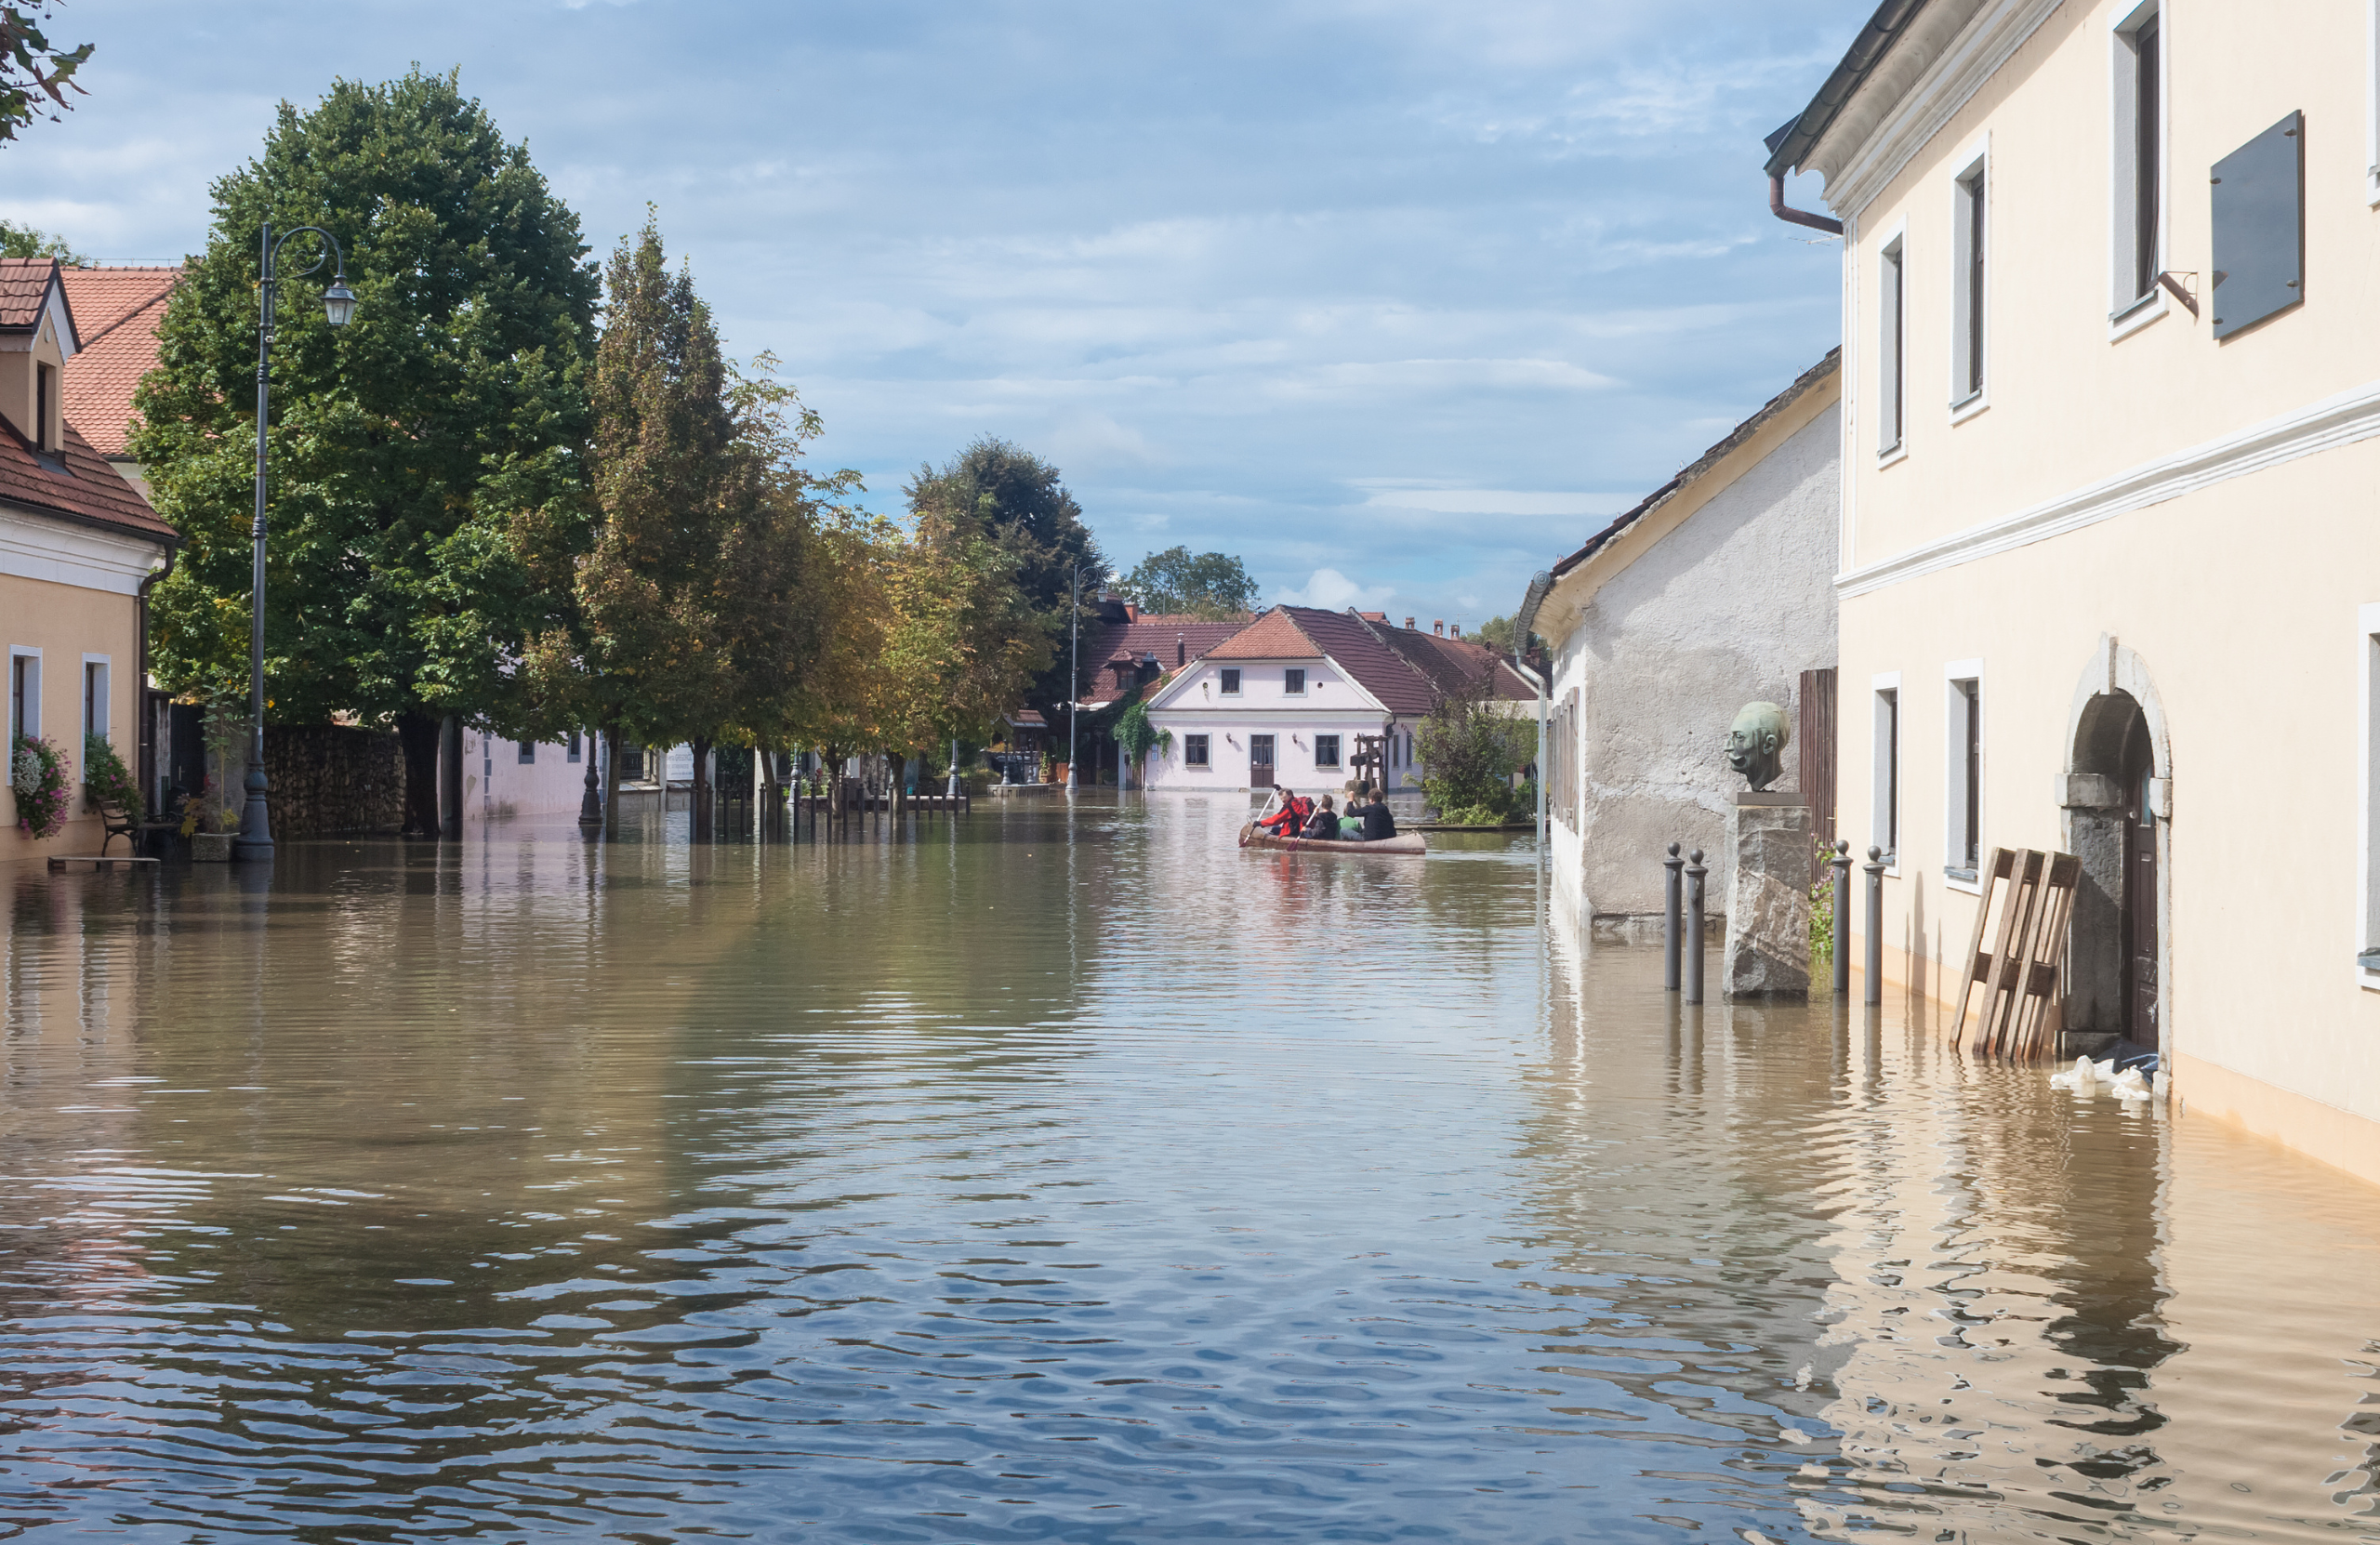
{"x": 2108, "y": 566}
{"x": 1283, "y": 701}
{"x": 79, "y": 549}
{"x": 1714, "y": 591}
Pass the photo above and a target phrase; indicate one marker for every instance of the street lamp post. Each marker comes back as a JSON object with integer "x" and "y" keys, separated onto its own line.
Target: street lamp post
{"x": 1073, "y": 678}
{"x": 254, "y": 841}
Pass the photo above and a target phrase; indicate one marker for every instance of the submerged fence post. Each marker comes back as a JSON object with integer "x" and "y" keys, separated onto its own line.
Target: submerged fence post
{"x": 1841, "y": 864}
{"x": 1694, "y": 873}
{"x": 1670, "y": 919}
{"x": 1875, "y": 940}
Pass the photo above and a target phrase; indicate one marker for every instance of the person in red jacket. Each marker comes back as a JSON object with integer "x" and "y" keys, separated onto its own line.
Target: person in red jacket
{"x": 1290, "y": 818}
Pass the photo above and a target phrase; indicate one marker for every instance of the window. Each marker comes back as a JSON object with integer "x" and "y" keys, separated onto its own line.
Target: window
{"x": 1231, "y": 683}
{"x": 2137, "y": 220}
{"x": 2258, "y": 202}
{"x": 1326, "y": 750}
{"x": 1966, "y": 309}
{"x": 572, "y": 755}
{"x": 94, "y": 698}
{"x": 44, "y": 403}
{"x": 1964, "y": 761}
{"x": 1194, "y": 751}
{"x": 24, "y": 694}
{"x": 528, "y": 750}
{"x": 1889, "y": 339}
{"x": 1884, "y": 823}
{"x": 1293, "y": 682}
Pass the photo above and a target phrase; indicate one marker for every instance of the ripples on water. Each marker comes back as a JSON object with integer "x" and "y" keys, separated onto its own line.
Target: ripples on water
{"x": 1027, "y": 1182}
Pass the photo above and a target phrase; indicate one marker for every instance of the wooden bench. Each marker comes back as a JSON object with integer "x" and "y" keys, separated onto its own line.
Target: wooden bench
{"x": 119, "y": 822}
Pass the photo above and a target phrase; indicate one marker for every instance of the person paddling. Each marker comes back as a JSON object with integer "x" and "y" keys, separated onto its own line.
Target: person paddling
{"x": 1378, "y": 822}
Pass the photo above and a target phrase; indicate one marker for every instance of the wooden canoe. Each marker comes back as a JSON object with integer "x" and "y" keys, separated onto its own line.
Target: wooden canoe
{"x": 1407, "y": 843}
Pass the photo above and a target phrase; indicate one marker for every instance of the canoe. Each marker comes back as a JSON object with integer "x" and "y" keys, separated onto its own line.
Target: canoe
{"x": 1404, "y": 843}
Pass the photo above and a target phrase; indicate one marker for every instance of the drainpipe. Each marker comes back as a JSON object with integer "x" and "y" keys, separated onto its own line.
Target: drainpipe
{"x": 1778, "y": 207}
{"x": 1534, "y": 680}
{"x": 145, "y": 727}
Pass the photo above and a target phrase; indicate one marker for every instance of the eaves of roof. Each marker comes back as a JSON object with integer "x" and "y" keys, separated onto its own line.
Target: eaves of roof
{"x": 1702, "y": 464}
{"x": 1791, "y": 143}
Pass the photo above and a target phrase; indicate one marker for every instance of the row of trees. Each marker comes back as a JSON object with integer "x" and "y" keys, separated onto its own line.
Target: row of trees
{"x": 532, "y": 495}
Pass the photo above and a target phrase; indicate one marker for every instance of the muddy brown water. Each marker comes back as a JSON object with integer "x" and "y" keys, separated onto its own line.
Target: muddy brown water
{"x": 1027, "y": 1178}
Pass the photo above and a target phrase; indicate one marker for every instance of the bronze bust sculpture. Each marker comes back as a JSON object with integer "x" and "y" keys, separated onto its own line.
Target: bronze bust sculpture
{"x": 1756, "y": 744}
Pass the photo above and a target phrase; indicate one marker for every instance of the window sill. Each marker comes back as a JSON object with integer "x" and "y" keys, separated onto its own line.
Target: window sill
{"x": 1963, "y": 879}
{"x": 2124, "y": 322}
{"x": 1897, "y": 451}
{"x": 1968, "y": 406}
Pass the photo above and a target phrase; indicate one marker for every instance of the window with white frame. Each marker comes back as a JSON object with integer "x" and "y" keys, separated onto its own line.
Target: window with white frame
{"x": 1884, "y": 822}
{"x": 1891, "y": 340}
{"x": 24, "y": 694}
{"x": 2136, "y": 223}
{"x": 571, "y": 753}
{"x": 1970, "y": 204}
{"x": 1963, "y": 763}
{"x": 1326, "y": 750}
{"x": 95, "y": 696}
{"x": 1231, "y": 683}
{"x": 1194, "y": 750}
{"x": 528, "y": 749}
{"x": 2367, "y": 958}
{"x": 1293, "y": 683}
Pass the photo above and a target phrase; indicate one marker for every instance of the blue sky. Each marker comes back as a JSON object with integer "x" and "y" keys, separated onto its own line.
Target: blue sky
{"x": 1393, "y": 298}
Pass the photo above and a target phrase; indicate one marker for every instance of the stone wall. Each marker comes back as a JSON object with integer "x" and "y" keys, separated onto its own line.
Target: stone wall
{"x": 328, "y": 778}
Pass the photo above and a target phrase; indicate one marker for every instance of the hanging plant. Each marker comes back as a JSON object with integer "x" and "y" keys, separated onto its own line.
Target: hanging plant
{"x": 107, "y": 778}
{"x": 1137, "y": 735}
{"x": 38, "y": 777}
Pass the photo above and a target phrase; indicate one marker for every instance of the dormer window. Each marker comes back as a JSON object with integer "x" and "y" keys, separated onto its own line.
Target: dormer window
{"x": 45, "y": 406}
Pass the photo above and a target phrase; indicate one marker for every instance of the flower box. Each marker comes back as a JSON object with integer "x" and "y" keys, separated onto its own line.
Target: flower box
{"x": 211, "y": 847}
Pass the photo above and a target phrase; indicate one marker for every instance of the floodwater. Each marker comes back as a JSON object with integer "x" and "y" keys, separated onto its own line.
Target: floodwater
{"x": 1021, "y": 1179}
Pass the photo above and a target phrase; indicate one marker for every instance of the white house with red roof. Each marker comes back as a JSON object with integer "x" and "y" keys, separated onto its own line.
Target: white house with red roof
{"x": 79, "y": 548}
{"x": 1282, "y": 701}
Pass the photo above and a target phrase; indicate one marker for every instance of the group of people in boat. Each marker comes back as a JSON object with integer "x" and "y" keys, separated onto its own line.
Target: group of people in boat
{"x": 1317, "y": 821}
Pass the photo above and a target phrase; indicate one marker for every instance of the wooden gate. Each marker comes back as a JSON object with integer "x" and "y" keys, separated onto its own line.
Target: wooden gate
{"x": 1816, "y": 733}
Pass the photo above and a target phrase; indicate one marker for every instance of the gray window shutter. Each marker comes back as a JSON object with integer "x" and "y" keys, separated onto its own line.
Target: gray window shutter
{"x": 2260, "y": 227}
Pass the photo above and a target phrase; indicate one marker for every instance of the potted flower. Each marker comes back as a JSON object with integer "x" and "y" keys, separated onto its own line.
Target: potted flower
{"x": 209, "y": 824}
{"x": 38, "y": 777}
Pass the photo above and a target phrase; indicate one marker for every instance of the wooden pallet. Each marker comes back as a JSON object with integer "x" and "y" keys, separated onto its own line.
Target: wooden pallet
{"x": 2023, "y": 1008}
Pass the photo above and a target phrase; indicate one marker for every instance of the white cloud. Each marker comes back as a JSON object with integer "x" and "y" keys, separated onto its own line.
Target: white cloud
{"x": 1334, "y": 591}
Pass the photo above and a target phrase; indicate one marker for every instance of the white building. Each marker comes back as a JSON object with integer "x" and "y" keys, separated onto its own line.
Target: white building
{"x": 1283, "y": 701}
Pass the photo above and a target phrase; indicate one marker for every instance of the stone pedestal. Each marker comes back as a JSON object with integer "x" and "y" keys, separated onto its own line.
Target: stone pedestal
{"x": 1768, "y": 900}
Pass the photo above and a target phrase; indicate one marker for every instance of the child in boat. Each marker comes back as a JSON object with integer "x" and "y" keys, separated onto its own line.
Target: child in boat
{"x": 1323, "y": 825}
{"x": 1378, "y": 822}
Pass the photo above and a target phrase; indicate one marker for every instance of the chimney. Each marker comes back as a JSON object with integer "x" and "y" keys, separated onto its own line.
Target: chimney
{"x": 1409, "y": 625}
{"x": 1131, "y": 612}
{"x": 1438, "y": 626}
{"x": 1180, "y": 651}
{"x": 1455, "y": 631}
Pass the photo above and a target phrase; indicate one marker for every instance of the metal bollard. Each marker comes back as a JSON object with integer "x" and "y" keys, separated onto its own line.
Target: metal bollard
{"x": 1875, "y": 962}
{"x": 1841, "y": 864}
{"x": 1670, "y": 942}
{"x": 1694, "y": 873}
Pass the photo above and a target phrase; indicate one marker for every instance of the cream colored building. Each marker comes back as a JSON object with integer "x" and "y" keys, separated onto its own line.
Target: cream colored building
{"x": 78, "y": 549}
{"x": 2109, "y": 572}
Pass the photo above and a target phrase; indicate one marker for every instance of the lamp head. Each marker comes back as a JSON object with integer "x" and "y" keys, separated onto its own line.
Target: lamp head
{"x": 339, "y": 302}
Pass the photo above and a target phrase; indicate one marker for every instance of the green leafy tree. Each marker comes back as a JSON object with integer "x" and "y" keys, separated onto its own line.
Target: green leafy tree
{"x": 1468, "y": 750}
{"x": 1211, "y": 585}
{"x": 1016, "y": 499}
{"x": 1497, "y": 634}
{"x": 429, "y": 470}
{"x": 36, "y": 74}
{"x": 24, "y": 241}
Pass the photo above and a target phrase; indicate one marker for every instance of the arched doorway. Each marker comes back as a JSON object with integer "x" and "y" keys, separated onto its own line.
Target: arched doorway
{"x": 2115, "y": 813}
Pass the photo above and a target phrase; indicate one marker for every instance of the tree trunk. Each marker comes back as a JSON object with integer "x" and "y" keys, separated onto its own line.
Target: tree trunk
{"x": 699, "y": 797}
{"x": 418, "y": 738}
{"x": 611, "y": 780}
{"x": 450, "y": 776}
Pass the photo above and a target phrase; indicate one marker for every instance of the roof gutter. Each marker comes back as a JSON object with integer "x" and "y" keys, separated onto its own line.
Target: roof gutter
{"x": 1790, "y": 144}
{"x": 1525, "y": 620}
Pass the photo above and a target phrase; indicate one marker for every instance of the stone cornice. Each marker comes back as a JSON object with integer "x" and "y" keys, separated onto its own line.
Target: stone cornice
{"x": 2337, "y": 420}
{"x": 1898, "y": 110}
{"x": 39, "y": 545}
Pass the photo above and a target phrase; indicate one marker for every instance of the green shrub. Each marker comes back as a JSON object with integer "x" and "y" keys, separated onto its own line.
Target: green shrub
{"x": 106, "y": 776}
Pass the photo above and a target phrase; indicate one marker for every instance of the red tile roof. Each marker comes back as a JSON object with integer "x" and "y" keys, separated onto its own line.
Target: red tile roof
{"x": 116, "y": 312}
{"x": 24, "y": 283}
{"x": 1405, "y": 671}
{"x": 1161, "y": 634}
{"x": 86, "y": 491}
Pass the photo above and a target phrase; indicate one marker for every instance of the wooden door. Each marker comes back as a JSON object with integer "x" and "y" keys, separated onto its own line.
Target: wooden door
{"x": 1816, "y": 762}
{"x": 2140, "y": 984}
{"x": 1259, "y": 762}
